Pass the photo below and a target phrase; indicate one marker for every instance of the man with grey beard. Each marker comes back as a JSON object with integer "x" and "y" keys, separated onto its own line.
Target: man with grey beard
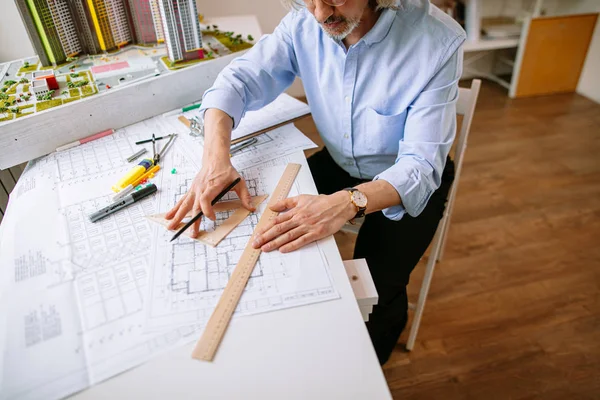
{"x": 381, "y": 79}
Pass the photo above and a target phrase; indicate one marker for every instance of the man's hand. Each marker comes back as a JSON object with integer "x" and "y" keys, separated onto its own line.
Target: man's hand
{"x": 308, "y": 219}
{"x": 212, "y": 178}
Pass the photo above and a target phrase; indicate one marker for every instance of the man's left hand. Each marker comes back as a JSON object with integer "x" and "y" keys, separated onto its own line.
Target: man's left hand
{"x": 307, "y": 219}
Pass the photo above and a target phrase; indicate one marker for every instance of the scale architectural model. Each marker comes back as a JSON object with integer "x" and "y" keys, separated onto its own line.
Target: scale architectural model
{"x": 86, "y": 47}
{"x": 62, "y": 29}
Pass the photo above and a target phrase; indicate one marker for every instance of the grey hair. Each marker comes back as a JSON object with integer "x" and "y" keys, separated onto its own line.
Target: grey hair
{"x": 381, "y": 4}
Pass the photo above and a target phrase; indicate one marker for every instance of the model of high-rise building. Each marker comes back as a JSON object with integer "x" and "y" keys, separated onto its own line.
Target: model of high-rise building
{"x": 182, "y": 29}
{"x": 87, "y": 33}
{"x": 111, "y": 23}
{"x": 50, "y": 27}
{"x": 146, "y": 21}
{"x": 59, "y": 29}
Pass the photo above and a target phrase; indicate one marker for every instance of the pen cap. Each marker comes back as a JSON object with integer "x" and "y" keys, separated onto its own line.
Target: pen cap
{"x": 147, "y": 191}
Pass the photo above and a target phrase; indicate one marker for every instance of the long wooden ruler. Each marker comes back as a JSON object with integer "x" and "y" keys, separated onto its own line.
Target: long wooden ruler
{"x": 219, "y": 320}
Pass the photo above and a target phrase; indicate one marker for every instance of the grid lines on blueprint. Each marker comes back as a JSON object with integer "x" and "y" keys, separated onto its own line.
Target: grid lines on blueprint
{"x": 189, "y": 276}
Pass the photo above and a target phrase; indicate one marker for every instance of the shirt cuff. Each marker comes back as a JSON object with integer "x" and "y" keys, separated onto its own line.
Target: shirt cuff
{"x": 227, "y": 101}
{"x": 412, "y": 188}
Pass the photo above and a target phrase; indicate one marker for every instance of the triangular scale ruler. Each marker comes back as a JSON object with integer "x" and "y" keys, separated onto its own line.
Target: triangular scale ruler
{"x": 222, "y": 230}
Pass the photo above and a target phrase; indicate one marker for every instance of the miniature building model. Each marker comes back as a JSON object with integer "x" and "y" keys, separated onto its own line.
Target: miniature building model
{"x": 43, "y": 81}
{"x": 182, "y": 29}
{"x": 111, "y": 23}
{"x": 59, "y": 29}
{"x": 146, "y": 21}
{"x": 157, "y": 19}
{"x": 50, "y": 27}
{"x": 87, "y": 32}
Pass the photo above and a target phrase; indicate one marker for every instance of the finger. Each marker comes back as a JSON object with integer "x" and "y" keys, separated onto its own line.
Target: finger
{"x": 287, "y": 237}
{"x": 286, "y": 216}
{"x": 205, "y": 201}
{"x": 185, "y": 206}
{"x": 171, "y": 213}
{"x": 273, "y": 232}
{"x": 284, "y": 204}
{"x": 242, "y": 191}
{"x": 299, "y": 242}
{"x": 277, "y": 220}
{"x": 196, "y": 225}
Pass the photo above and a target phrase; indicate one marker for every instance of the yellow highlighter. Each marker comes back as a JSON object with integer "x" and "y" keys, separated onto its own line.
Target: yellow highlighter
{"x": 128, "y": 189}
{"x": 133, "y": 175}
{"x": 148, "y": 175}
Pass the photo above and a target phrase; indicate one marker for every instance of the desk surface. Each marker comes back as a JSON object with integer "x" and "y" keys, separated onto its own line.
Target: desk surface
{"x": 321, "y": 351}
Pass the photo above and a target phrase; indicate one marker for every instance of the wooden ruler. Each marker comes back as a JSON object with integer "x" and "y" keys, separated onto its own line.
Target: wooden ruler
{"x": 219, "y": 320}
{"x": 214, "y": 238}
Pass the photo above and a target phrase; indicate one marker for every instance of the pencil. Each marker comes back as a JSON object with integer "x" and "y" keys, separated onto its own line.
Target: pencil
{"x": 212, "y": 203}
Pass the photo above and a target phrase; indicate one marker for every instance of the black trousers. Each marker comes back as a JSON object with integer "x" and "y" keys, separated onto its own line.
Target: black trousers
{"x": 392, "y": 249}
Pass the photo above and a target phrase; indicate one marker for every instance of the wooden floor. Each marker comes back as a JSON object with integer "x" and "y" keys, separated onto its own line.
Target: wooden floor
{"x": 514, "y": 307}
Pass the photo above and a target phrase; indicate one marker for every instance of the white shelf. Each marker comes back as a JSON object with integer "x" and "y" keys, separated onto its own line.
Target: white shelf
{"x": 490, "y": 44}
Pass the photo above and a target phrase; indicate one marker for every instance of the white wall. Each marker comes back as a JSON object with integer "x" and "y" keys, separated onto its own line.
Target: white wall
{"x": 269, "y": 12}
{"x": 14, "y": 42}
{"x": 567, "y": 7}
{"x": 589, "y": 82}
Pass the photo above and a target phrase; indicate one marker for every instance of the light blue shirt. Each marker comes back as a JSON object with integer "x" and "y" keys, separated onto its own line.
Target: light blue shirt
{"x": 385, "y": 107}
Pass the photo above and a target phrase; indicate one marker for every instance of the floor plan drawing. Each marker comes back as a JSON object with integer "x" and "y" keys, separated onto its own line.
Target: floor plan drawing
{"x": 188, "y": 277}
{"x": 89, "y": 278}
{"x": 113, "y": 294}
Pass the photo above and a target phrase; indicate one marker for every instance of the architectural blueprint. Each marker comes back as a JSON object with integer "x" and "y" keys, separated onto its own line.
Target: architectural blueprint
{"x": 76, "y": 307}
{"x": 188, "y": 276}
{"x": 72, "y": 299}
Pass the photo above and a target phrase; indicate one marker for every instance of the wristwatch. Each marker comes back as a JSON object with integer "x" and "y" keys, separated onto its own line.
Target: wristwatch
{"x": 359, "y": 199}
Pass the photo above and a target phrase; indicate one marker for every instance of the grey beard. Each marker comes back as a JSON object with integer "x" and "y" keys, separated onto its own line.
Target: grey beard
{"x": 352, "y": 25}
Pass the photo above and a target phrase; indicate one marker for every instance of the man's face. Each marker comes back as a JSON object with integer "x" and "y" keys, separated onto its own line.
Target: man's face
{"x": 338, "y": 22}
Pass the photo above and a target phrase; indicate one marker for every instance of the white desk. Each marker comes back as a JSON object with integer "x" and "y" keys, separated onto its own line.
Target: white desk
{"x": 321, "y": 351}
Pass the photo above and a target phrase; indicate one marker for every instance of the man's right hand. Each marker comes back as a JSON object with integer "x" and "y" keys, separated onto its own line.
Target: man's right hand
{"x": 216, "y": 174}
{"x": 212, "y": 178}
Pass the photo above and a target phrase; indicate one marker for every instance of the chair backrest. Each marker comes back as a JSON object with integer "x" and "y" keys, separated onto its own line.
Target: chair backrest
{"x": 465, "y": 106}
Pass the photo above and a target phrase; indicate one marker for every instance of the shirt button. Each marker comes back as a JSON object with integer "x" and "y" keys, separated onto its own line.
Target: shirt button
{"x": 347, "y": 99}
{"x": 346, "y": 136}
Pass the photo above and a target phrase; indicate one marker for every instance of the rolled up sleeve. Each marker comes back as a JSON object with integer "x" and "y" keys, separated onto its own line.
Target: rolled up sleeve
{"x": 429, "y": 131}
{"x": 255, "y": 79}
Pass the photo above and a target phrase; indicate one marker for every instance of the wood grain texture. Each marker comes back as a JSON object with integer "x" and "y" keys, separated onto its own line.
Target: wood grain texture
{"x": 554, "y": 54}
{"x": 514, "y": 307}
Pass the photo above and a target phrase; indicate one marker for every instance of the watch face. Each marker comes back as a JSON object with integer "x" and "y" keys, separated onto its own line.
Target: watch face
{"x": 359, "y": 199}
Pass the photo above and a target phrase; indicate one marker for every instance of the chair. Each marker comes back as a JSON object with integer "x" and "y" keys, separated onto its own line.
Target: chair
{"x": 465, "y": 106}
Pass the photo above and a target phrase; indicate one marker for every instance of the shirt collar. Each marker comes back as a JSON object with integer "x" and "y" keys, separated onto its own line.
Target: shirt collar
{"x": 382, "y": 27}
